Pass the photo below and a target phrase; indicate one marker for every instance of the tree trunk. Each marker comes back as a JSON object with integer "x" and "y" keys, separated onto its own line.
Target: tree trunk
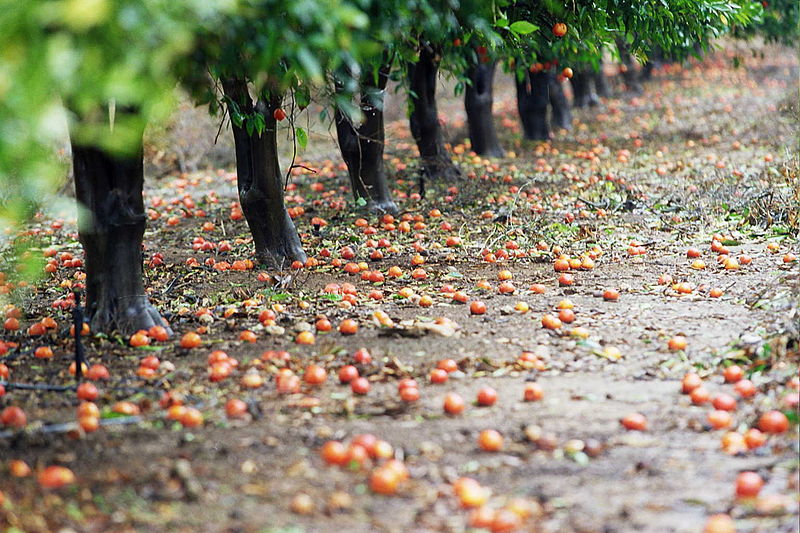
{"x": 108, "y": 187}
{"x": 600, "y": 82}
{"x": 533, "y": 95}
{"x": 582, "y": 88}
{"x": 629, "y": 72}
{"x": 478, "y": 100}
{"x": 362, "y": 147}
{"x": 260, "y": 181}
{"x": 562, "y": 114}
{"x": 424, "y": 117}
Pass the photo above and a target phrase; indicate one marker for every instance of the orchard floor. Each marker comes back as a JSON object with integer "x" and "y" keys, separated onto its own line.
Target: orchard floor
{"x": 706, "y": 149}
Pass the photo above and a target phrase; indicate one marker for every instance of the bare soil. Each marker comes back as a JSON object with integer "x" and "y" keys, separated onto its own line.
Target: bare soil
{"x": 706, "y": 149}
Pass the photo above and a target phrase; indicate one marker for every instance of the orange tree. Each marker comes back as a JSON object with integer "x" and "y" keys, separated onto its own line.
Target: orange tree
{"x": 779, "y": 22}
{"x": 108, "y": 67}
{"x": 416, "y": 38}
{"x": 265, "y": 59}
{"x": 578, "y": 33}
{"x": 111, "y": 67}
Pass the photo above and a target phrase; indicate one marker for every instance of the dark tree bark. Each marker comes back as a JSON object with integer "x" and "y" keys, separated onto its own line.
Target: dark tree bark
{"x": 362, "y": 146}
{"x": 260, "y": 181}
{"x": 601, "y": 82}
{"x": 533, "y": 96}
{"x": 656, "y": 59}
{"x": 562, "y": 114}
{"x": 630, "y": 74}
{"x": 583, "y": 89}
{"x": 108, "y": 187}
{"x": 478, "y": 100}
{"x": 424, "y": 117}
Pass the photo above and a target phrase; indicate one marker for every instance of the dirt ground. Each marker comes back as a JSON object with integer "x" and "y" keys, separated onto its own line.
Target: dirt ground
{"x": 707, "y": 149}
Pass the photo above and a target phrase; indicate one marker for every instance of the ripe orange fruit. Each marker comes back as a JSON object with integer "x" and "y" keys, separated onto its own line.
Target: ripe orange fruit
{"x": 235, "y": 408}
{"x": 13, "y": 416}
{"x": 719, "y": 419}
{"x": 533, "y": 392}
{"x": 55, "y": 477}
{"x": 611, "y": 295}
{"x": 139, "y": 338}
{"x": 551, "y": 322}
{"x": 360, "y": 385}
{"x": 19, "y": 468}
{"x": 409, "y": 394}
{"x": 348, "y": 327}
{"x": 690, "y": 382}
{"x": 561, "y": 265}
{"x": 490, "y": 440}
{"x": 677, "y": 343}
{"x": 89, "y": 424}
{"x": 733, "y": 374}
{"x": 477, "y": 307}
{"x": 87, "y": 391}
{"x": 567, "y": 316}
{"x": 745, "y": 388}
{"x": 634, "y": 422}
{"x": 384, "y": 480}
{"x": 773, "y": 422}
{"x": 43, "y": 352}
{"x": 191, "y": 418}
{"x": 191, "y": 340}
{"x": 724, "y": 402}
{"x": 754, "y": 438}
{"x": 720, "y": 523}
{"x": 334, "y": 453}
{"x": 305, "y": 337}
{"x": 158, "y": 333}
{"x": 315, "y": 375}
{"x": 748, "y": 485}
{"x": 487, "y": 396}
{"x": 700, "y": 396}
{"x": 470, "y": 493}
{"x": 559, "y": 29}
{"x": 453, "y": 404}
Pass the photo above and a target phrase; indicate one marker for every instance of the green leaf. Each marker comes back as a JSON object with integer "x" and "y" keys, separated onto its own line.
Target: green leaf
{"x": 301, "y": 136}
{"x": 361, "y": 201}
{"x": 302, "y": 96}
{"x": 523, "y": 27}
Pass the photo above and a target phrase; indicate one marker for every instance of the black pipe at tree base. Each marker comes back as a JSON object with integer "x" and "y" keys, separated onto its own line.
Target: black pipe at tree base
{"x": 478, "y": 101}
{"x": 260, "y": 181}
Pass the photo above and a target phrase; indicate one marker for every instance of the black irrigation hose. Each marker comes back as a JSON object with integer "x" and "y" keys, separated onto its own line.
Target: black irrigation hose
{"x": 70, "y": 426}
{"x": 16, "y": 354}
{"x": 65, "y": 388}
{"x": 38, "y": 386}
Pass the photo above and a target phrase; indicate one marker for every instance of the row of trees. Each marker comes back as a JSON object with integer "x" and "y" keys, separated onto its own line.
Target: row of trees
{"x": 112, "y": 67}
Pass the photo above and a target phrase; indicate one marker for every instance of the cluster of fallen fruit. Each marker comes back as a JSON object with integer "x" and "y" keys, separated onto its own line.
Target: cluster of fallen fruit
{"x": 221, "y": 366}
{"x": 388, "y": 473}
{"x": 367, "y": 455}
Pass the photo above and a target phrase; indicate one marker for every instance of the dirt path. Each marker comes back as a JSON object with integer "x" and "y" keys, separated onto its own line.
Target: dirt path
{"x": 706, "y": 149}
